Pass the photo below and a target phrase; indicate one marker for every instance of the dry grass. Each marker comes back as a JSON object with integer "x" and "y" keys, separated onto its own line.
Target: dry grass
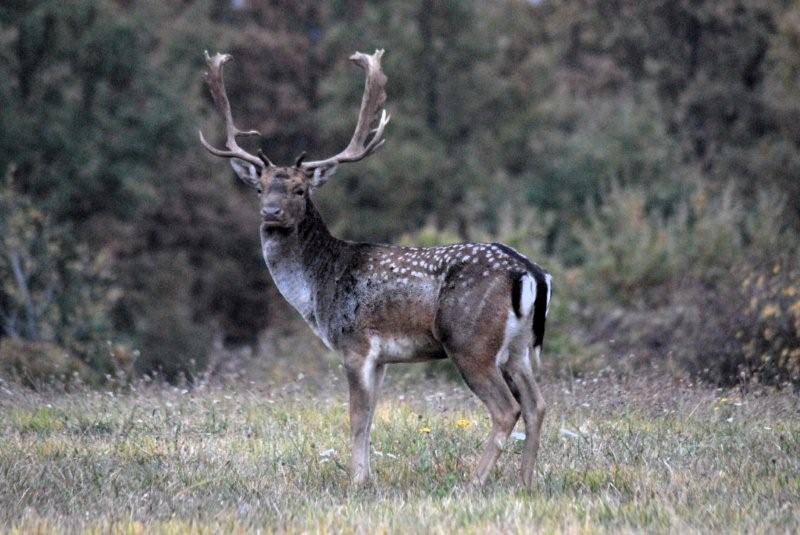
{"x": 640, "y": 455}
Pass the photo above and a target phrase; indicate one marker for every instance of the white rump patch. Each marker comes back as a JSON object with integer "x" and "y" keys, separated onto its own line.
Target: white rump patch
{"x": 528, "y": 297}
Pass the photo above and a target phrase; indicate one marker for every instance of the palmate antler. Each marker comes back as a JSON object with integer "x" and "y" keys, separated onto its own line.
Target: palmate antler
{"x": 217, "y": 85}
{"x": 359, "y": 146}
{"x": 371, "y": 102}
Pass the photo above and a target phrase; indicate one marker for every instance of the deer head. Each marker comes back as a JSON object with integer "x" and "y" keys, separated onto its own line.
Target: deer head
{"x": 284, "y": 190}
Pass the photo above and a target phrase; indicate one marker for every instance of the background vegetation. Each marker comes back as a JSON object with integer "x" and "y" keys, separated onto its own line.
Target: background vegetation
{"x": 647, "y": 153}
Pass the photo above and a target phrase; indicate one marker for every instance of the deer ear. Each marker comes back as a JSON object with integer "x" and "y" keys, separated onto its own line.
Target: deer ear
{"x": 322, "y": 174}
{"x": 248, "y": 172}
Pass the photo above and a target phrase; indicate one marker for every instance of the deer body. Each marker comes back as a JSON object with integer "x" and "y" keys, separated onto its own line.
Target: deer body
{"x": 482, "y": 305}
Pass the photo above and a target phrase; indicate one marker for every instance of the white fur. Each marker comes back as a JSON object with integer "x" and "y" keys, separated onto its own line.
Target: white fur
{"x": 245, "y": 170}
{"x": 295, "y": 287}
{"x": 399, "y": 348}
{"x": 548, "y": 279}
{"x": 528, "y": 294}
{"x": 368, "y": 368}
{"x": 513, "y": 328}
{"x": 323, "y": 174}
{"x": 291, "y": 282}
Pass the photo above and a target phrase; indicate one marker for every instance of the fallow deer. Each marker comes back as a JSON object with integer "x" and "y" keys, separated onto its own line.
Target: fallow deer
{"x": 482, "y": 305}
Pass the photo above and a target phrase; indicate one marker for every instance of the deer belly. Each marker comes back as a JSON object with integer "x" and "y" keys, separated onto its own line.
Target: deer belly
{"x": 400, "y": 348}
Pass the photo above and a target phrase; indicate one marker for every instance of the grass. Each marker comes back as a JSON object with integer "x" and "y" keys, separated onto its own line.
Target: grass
{"x": 637, "y": 455}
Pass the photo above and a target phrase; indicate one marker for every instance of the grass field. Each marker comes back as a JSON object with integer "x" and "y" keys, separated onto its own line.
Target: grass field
{"x": 637, "y": 455}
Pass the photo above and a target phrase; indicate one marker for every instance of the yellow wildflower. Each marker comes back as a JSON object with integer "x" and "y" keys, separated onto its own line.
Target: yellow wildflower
{"x": 425, "y": 429}
{"x": 462, "y": 423}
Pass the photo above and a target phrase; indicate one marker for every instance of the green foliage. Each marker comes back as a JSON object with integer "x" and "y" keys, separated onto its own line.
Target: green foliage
{"x": 684, "y": 287}
{"x": 632, "y": 252}
{"x": 86, "y": 117}
{"x": 173, "y": 343}
{"x": 621, "y": 146}
{"x": 55, "y": 292}
{"x": 628, "y": 251}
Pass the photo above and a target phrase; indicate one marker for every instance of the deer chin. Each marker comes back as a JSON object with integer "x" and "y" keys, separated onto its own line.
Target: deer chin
{"x": 274, "y": 226}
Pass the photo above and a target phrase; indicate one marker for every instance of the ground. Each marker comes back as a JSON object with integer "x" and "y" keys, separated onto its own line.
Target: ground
{"x": 617, "y": 455}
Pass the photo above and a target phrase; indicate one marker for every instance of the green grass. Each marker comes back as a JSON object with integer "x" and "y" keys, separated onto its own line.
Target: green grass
{"x": 631, "y": 456}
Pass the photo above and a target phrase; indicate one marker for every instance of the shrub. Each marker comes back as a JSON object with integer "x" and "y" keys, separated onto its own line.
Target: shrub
{"x": 710, "y": 286}
{"x": 52, "y": 290}
{"x": 173, "y": 343}
{"x": 633, "y": 256}
{"x": 629, "y": 253}
{"x": 771, "y": 343}
{"x": 35, "y": 363}
{"x": 747, "y": 327}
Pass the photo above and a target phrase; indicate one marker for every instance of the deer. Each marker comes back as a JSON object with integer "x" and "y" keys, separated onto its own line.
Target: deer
{"x": 482, "y": 305}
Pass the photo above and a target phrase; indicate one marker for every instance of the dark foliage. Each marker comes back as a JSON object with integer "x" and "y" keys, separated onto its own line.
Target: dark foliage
{"x": 512, "y": 120}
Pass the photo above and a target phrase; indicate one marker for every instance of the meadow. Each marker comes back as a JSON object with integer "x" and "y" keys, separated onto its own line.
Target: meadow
{"x": 618, "y": 455}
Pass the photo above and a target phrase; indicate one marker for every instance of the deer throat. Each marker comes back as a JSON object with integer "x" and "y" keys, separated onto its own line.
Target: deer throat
{"x": 289, "y": 276}
{"x": 300, "y": 261}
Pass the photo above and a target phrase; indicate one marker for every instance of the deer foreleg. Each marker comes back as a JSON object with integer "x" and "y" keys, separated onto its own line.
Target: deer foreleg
{"x": 364, "y": 378}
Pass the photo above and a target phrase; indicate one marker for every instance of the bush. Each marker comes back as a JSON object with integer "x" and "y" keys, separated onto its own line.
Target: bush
{"x": 634, "y": 255}
{"x": 173, "y": 343}
{"x": 629, "y": 254}
{"x": 36, "y": 363}
{"x": 714, "y": 286}
{"x": 771, "y": 344}
{"x": 52, "y": 290}
{"x": 745, "y": 328}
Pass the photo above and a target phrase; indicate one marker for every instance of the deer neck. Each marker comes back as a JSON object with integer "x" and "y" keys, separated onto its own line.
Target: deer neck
{"x": 301, "y": 259}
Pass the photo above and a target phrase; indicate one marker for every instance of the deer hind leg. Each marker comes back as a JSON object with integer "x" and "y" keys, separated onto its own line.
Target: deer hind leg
{"x": 518, "y": 372}
{"x": 488, "y": 384}
{"x": 364, "y": 378}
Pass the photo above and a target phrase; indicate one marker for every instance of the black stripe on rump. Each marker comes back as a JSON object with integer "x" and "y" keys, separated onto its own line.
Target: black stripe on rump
{"x": 516, "y": 292}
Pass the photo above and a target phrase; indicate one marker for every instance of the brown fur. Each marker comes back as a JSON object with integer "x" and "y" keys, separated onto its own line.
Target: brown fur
{"x": 478, "y": 304}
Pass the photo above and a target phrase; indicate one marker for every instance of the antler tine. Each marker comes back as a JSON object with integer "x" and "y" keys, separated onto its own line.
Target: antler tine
{"x": 372, "y": 101}
{"x": 216, "y": 84}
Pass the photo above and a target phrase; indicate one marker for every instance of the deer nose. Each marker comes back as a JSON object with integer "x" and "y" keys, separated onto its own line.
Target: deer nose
{"x": 271, "y": 212}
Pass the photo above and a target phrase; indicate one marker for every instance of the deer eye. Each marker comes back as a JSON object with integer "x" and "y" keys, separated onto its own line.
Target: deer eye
{"x": 299, "y": 191}
{"x": 259, "y": 191}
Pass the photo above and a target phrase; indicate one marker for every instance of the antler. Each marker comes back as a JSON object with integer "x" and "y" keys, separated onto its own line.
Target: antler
{"x": 217, "y": 85}
{"x": 371, "y": 102}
